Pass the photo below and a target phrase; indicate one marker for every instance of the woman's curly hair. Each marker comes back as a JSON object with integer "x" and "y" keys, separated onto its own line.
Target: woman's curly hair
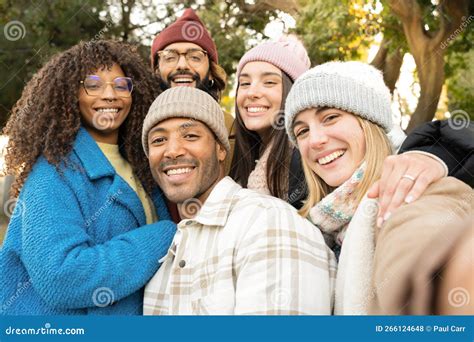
{"x": 46, "y": 119}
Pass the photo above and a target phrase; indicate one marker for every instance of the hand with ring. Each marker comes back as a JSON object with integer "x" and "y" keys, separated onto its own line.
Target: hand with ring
{"x": 404, "y": 178}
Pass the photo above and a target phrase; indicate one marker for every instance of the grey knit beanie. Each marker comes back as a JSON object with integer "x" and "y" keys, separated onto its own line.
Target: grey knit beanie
{"x": 186, "y": 102}
{"x": 354, "y": 87}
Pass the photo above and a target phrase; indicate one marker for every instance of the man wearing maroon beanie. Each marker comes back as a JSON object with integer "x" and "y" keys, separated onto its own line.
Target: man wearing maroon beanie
{"x": 184, "y": 54}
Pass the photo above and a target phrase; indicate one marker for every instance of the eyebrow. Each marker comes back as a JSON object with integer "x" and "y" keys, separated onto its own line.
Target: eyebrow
{"x": 298, "y": 122}
{"x": 268, "y": 73}
{"x": 186, "y": 125}
{"x": 318, "y": 110}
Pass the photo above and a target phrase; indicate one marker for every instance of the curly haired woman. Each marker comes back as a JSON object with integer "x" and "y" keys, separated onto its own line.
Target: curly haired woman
{"x": 84, "y": 186}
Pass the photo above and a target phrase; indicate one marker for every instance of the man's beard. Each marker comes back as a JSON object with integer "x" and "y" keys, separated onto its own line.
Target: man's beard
{"x": 204, "y": 84}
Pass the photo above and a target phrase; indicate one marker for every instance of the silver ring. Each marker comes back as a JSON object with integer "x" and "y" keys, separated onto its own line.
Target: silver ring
{"x": 409, "y": 177}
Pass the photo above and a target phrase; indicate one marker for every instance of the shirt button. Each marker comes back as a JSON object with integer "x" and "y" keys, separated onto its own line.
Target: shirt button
{"x": 182, "y": 263}
{"x": 189, "y": 222}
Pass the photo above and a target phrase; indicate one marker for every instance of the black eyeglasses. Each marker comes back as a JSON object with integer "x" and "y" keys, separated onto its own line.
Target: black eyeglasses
{"x": 95, "y": 86}
{"x": 169, "y": 58}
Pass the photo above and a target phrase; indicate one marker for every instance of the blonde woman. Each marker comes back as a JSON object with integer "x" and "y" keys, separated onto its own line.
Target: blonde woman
{"x": 339, "y": 117}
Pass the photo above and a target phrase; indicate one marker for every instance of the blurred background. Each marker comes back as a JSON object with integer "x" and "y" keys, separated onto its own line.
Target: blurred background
{"x": 424, "y": 47}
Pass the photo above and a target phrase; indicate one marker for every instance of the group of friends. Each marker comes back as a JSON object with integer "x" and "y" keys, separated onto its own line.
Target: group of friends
{"x": 134, "y": 183}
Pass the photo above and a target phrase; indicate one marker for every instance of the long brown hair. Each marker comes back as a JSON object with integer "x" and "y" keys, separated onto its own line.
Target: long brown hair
{"x": 249, "y": 147}
{"x": 46, "y": 119}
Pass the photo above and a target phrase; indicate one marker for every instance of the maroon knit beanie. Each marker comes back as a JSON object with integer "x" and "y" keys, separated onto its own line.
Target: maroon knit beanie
{"x": 188, "y": 28}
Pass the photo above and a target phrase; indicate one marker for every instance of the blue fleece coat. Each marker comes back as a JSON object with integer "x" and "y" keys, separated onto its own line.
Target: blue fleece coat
{"x": 78, "y": 242}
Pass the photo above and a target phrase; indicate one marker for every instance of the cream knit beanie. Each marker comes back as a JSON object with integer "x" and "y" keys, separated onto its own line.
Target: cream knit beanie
{"x": 186, "y": 102}
{"x": 354, "y": 87}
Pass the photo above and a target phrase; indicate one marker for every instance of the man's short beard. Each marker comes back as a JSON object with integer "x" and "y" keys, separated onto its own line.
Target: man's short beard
{"x": 206, "y": 84}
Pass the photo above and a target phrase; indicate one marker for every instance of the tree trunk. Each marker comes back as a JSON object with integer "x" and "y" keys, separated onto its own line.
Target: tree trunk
{"x": 388, "y": 63}
{"x": 430, "y": 67}
{"x": 427, "y": 49}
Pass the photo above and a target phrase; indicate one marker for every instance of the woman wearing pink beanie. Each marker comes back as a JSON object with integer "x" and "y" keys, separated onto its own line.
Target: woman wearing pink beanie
{"x": 265, "y": 75}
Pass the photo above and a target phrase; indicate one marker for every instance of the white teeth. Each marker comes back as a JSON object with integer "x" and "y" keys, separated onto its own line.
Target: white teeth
{"x": 108, "y": 110}
{"x": 256, "y": 109}
{"x": 331, "y": 157}
{"x": 178, "y": 171}
{"x": 182, "y": 80}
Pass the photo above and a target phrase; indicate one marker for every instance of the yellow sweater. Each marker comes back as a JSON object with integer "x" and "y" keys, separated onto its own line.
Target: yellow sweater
{"x": 124, "y": 170}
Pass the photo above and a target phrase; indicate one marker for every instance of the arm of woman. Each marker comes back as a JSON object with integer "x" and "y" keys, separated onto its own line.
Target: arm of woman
{"x": 66, "y": 266}
{"x": 430, "y": 152}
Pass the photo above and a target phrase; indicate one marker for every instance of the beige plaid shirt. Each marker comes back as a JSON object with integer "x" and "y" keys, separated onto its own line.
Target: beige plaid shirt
{"x": 244, "y": 253}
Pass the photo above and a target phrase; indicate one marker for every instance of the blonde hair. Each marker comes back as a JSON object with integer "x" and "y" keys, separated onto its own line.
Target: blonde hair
{"x": 377, "y": 148}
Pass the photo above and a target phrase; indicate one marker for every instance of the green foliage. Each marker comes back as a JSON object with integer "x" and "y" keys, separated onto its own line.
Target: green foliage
{"x": 392, "y": 29}
{"x": 337, "y": 30}
{"x": 460, "y": 85}
{"x": 32, "y": 31}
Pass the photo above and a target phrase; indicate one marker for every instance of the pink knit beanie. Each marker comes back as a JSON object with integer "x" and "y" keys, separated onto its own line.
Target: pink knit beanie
{"x": 287, "y": 54}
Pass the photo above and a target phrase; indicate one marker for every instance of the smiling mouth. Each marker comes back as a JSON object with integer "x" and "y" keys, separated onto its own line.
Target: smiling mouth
{"x": 183, "y": 80}
{"x": 179, "y": 171}
{"x": 107, "y": 110}
{"x": 259, "y": 109}
{"x": 331, "y": 157}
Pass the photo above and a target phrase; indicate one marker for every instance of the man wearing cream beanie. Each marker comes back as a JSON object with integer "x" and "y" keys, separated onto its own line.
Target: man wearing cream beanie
{"x": 185, "y": 102}
{"x": 223, "y": 238}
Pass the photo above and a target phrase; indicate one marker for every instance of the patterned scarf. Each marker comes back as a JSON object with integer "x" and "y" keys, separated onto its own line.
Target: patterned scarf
{"x": 334, "y": 212}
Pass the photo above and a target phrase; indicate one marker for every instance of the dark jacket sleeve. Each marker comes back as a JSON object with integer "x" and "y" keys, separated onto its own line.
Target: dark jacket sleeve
{"x": 452, "y": 143}
{"x": 297, "y": 190}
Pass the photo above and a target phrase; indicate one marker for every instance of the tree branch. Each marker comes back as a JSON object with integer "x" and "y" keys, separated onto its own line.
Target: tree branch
{"x": 388, "y": 63}
{"x": 380, "y": 57}
{"x": 451, "y": 17}
{"x": 410, "y": 14}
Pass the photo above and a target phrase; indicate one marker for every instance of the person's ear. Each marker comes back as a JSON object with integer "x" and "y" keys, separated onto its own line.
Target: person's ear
{"x": 221, "y": 152}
